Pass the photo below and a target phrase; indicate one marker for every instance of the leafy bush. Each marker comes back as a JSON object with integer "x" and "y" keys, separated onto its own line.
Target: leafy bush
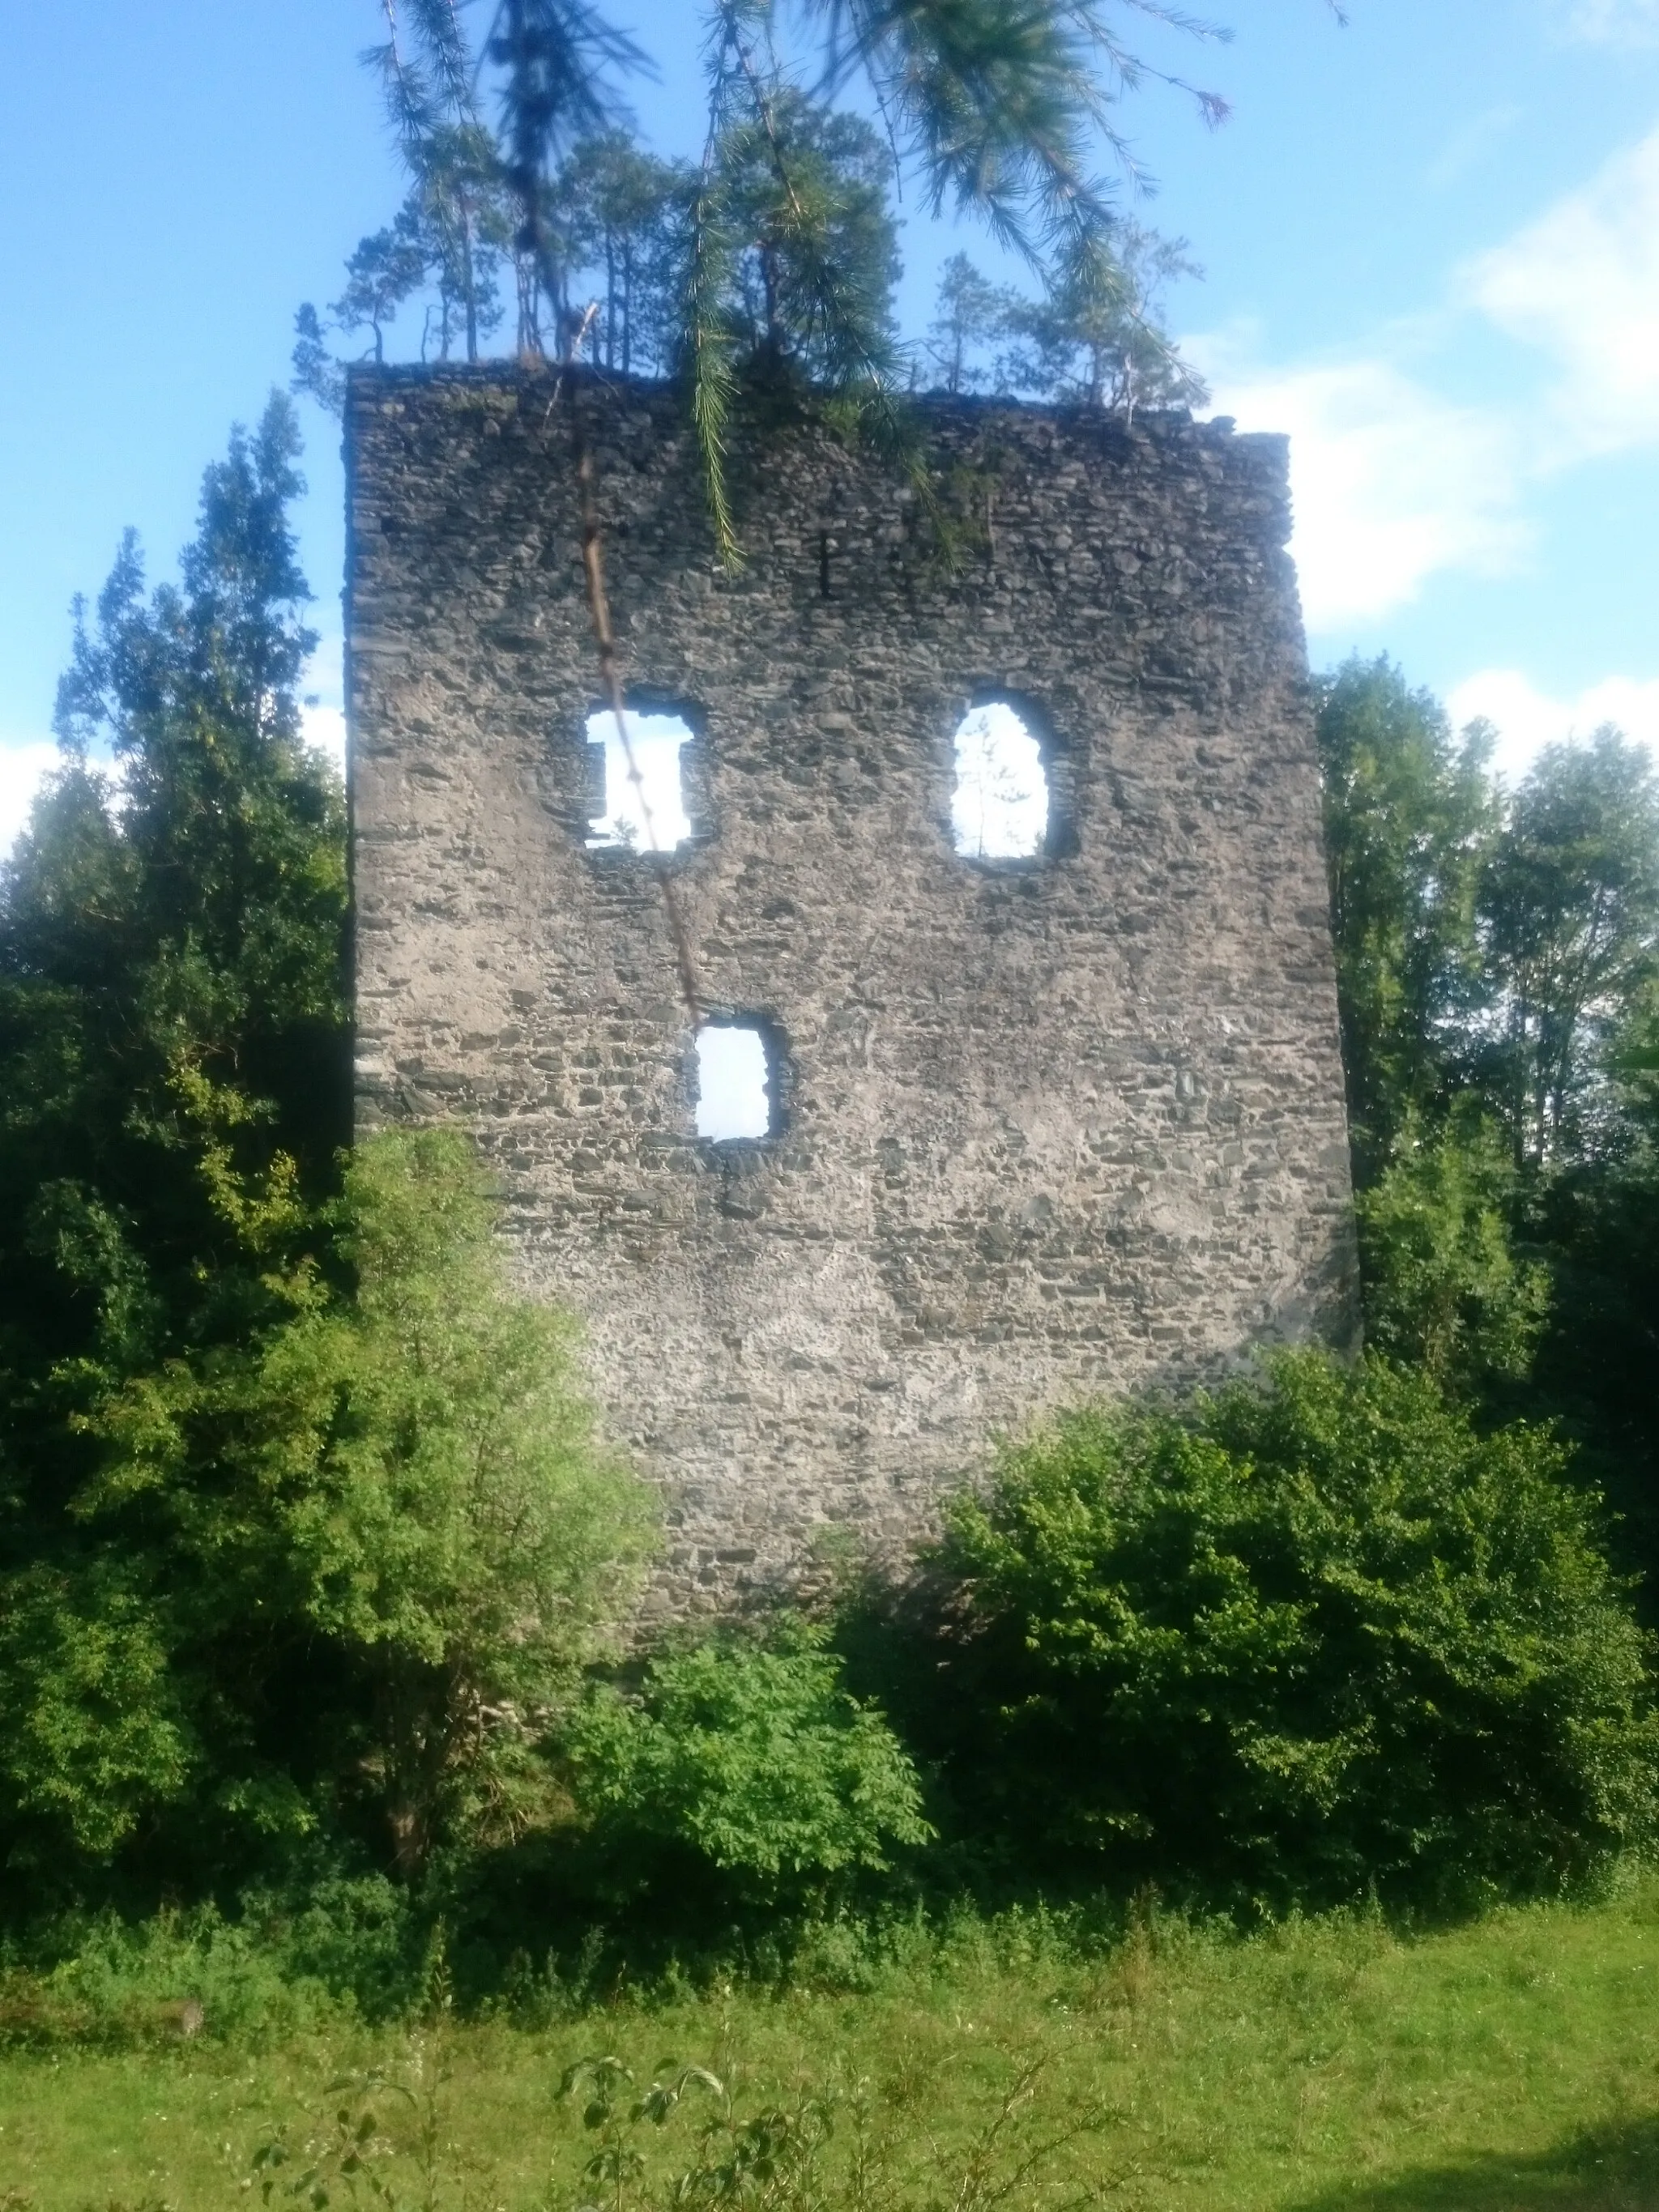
{"x": 754, "y": 1761}
{"x": 175, "y": 1975}
{"x": 1443, "y": 1290}
{"x": 343, "y": 1576}
{"x": 1303, "y": 1641}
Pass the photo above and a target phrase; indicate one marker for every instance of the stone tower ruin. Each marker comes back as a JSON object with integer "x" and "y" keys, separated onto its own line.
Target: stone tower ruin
{"x": 1038, "y": 1128}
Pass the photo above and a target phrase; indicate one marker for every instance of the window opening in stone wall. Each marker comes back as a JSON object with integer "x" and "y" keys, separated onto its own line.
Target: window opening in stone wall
{"x": 649, "y": 815}
{"x": 734, "y": 1082}
{"x": 999, "y": 809}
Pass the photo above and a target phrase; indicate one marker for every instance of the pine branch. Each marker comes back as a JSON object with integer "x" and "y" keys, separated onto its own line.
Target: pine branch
{"x": 709, "y": 335}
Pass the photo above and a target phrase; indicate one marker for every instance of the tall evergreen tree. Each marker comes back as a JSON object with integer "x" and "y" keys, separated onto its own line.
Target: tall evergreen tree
{"x": 173, "y": 1024}
{"x": 1569, "y": 905}
{"x": 624, "y": 216}
{"x": 1409, "y": 818}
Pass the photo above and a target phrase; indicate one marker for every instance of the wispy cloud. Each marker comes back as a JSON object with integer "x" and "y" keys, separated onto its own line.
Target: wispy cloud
{"x": 1395, "y": 482}
{"x": 1611, "y": 22}
{"x": 1527, "y": 719}
{"x": 1391, "y": 483}
{"x": 1582, "y": 283}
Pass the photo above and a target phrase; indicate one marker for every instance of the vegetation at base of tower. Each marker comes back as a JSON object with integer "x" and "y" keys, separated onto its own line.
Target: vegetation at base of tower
{"x": 1298, "y": 1643}
{"x": 752, "y": 1761}
{"x": 341, "y": 1580}
{"x": 311, "y": 1574}
{"x": 1497, "y": 971}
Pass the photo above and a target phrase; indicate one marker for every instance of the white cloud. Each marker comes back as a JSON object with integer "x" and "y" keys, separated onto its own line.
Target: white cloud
{"x": 1582, "y": 282}
{"x": 322, "y": 689}
{"x": 1391, "y": 483}
{"x": 1527, "y": 719}
{"x": 325, "y": 726}
{"x": 1612, "y": 23}
{"x": 22, "y": 768}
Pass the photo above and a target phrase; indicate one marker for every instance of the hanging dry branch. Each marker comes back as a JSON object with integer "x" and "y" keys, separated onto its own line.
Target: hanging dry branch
{"x": 610, "y": 681}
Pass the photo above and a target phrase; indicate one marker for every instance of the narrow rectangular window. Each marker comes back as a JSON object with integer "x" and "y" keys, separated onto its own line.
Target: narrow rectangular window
{"x": 734, "y": 1082}
{"x": 999, "y": 808}
{"x": 644, "y": 806}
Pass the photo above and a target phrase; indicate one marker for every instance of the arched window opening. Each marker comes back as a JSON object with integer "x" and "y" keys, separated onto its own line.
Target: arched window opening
{"x": 734, "y": 1082}
{"x": 645, "y": 809}
{"x": 999, "y": 808}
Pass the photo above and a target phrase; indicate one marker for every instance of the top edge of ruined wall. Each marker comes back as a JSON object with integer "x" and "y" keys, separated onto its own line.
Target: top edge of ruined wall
{"x": 1265, "y": 452}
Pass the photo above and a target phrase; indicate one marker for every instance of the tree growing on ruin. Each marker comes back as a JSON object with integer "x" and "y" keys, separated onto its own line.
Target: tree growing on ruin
{"x": 996, "y": 113}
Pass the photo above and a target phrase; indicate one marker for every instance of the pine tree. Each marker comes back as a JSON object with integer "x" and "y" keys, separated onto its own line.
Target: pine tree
{"x": 173, "y": 1024}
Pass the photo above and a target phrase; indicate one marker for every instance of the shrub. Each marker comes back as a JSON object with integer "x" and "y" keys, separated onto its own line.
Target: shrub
{"x": 1443, "y": 1290}
{"x": 754, "y": 1761}
{"x": 1306, "y": 1640}
{"x": 346, "y": 1575}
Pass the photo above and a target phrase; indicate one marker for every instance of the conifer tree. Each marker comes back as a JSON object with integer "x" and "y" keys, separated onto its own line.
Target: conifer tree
{"x": 172, "y": 1027}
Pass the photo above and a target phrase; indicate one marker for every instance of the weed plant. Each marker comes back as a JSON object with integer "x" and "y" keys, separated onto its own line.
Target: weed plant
{"x": 1020, "y": 2058}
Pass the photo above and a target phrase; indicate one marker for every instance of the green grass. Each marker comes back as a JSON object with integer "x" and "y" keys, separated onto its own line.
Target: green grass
{"x": 1499, "y": 2067}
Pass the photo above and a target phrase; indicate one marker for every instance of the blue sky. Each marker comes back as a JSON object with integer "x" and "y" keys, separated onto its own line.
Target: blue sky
{"x": 1432, "y": 246}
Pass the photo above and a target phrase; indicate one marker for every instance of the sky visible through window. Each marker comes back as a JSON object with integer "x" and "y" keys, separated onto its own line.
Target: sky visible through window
{"x": 1430, "y": 241}
{"x": 733, "y": 1091}
{"x": 649, "y": 817}
{"x": 999, "y": 809}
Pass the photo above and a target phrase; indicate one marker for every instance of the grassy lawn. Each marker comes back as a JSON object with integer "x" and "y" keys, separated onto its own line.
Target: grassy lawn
{"x": 1498, "y": 2068}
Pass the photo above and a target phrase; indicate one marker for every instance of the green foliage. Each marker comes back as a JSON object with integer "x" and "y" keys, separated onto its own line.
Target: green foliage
{"x": 1097, "y": 338}
{"x": 797, "y": 202}
{"x": 331, "y": 1951}
{"x": 755, "y": 1761}
{"x": 783, "y": 246}
{"x": 462, "y": 228}
{"x": 1307, "y": 1641}
{"x": 172, "y": 1035}
{"x": 624, "y": 216}
{"x": 791, "y": 260}
{"x": 1570, "y": 913}
{"x": 1444, "y": 1292}
{"x": 173, "y": 1088}
{"x": 449, "y": 239}
{"x": 394, "y": 1491}
{"x": 1409, "y": 818}
{"x": 997, "y": 111}
{"x": 93, "y": 1731}
{"x": 968, "y": 316}
{"x": 384, "y": 271}
{"x": 1329, "y": 2061}
{"x": 1496, "y": 960}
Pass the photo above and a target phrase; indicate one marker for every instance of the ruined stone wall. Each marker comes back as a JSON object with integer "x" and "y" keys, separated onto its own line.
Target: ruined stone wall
{"x": 1050, "y": 1128}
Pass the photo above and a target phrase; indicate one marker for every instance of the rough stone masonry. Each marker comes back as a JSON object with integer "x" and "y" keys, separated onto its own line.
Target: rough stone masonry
{"x": 1043, "y": 1129}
